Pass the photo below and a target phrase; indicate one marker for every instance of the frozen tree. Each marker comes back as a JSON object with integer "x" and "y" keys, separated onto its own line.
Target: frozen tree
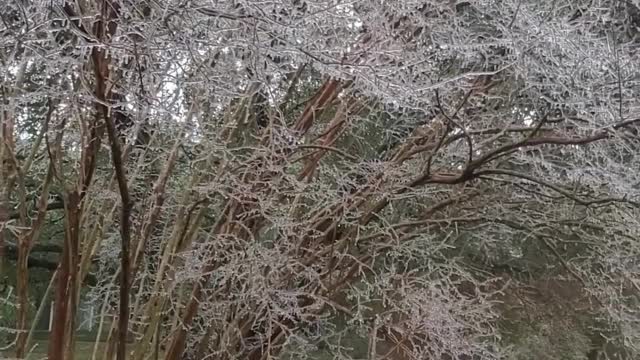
{"x": 323, "y": 178}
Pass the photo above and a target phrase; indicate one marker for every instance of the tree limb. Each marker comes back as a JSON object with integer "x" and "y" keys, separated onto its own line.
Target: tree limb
{"x": 57, "y": 205}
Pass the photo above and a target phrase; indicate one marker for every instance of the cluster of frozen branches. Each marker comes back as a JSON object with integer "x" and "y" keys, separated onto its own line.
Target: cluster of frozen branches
{"x": 321, "y": 177}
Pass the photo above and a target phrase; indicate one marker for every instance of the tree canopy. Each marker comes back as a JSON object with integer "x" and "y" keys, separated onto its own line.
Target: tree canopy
{"x": 323, "y": 179}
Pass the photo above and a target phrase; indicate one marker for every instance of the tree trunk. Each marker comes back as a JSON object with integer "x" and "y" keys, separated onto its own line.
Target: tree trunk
{"x": 61, "y": 335}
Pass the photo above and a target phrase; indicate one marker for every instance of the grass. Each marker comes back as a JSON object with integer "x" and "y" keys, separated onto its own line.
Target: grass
{"x": 83, "y": 350}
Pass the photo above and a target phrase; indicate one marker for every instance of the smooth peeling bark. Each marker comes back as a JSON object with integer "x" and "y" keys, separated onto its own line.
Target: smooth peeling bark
{"x": 64, "y": 292}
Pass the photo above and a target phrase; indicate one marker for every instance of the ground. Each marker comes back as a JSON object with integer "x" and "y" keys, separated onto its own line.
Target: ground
{"x": 83, "y": 349}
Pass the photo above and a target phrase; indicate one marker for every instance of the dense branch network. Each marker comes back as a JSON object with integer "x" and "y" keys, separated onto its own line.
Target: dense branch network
{"x": 321, "y": 168}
